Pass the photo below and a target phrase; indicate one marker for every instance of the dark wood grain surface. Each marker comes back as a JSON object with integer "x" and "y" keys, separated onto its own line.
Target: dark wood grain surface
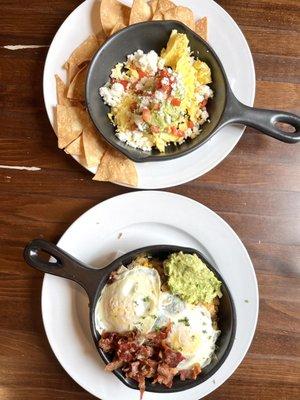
{"x": 256, "y": 190}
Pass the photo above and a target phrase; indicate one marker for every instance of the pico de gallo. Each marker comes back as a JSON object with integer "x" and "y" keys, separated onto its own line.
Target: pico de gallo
{"x": 156, "y": 100}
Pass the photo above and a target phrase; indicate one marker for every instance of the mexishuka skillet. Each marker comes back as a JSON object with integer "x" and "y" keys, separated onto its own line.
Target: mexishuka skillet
{"x": 93, "y": 281}
{"x": 224, "y": 108}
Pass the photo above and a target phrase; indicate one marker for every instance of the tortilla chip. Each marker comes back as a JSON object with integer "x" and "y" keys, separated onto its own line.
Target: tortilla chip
{"x": 161, "y": 6}
{"x": 153, "y": 5}
{"x": 112, "y": 12}
{"x": 84, "y": 52}
{"x": 115, "y": 167}
{"x": 94, "y": 146}
{"x": 61, "y": 92}
{"x": 201, "y": 28}
{"x": 76, "y": 89}
{"x": 157, "y": 16}
{"x": 76, "y": 147}
{"x": 70, "y": 123}
{"x": 117, "y": 28}
{"x": 164, "y": 5}
{"x": 140, "y": 11}
{"x": 182, "y": 14}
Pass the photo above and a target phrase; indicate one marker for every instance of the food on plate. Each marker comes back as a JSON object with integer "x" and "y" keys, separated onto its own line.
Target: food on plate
{"x": 115, "y": 167}
{"x": 156, "y": 100}
{"x": 190, "y": 279}
{"x": 74, "y": 129}
{"x": 112, "y": 12}
{"x": 201, "y": 27}
{"x": 152, "y": 331}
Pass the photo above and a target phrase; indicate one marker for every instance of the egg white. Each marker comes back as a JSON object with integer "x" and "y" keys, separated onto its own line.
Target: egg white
{"x": 130, "y": 302}
{"x": 192, "y": 333}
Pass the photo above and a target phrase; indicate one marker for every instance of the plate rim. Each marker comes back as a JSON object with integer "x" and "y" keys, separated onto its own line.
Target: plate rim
{"x": 211, "y": 165}
{"x": 207, "y": 210}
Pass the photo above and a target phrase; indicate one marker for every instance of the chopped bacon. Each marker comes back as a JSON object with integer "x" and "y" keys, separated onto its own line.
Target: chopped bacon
{"x": 115, "y": 364}
{"x": 190, "y": 373}
{"x": 107, "y": 341}
{"x": 165, "y": 374}
{"x": 150, "y": 368}
{"x": 155, "y": 338}
{"x": 126, "y": 351}
{"x": 144, "y": 352}
{"x": 171, "y": 357}
{"x": 145, "y": 356}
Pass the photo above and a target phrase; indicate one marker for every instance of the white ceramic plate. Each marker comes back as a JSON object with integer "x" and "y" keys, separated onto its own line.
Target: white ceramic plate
{"x": 230, "y": 45}
{"x": 128, "y": 222}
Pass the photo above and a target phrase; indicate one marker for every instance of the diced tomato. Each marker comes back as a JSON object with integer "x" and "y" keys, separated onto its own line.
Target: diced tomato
{"x": 133, "y": 106}
{"x": 142, "y": 73}
{"x": 190, "y": 124}
{"x": 164, "y": 73}
{"x": 176, "y": 132}
{"x": 203, "y": 103}
{"x": 175, "y": 102}
{"x": 154, "y": 129}
{"x": 155, "y": 106}
{"x": 146, "y": 115}
{"x": 123, "y": 82}
{"x": 166, "y": 88}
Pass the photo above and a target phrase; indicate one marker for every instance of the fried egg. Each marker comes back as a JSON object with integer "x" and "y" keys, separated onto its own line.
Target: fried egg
{"x": 192, "y": 332}
{"x": 130, "y": 302}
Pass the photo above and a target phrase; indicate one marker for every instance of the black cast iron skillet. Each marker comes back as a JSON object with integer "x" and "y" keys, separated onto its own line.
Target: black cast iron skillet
{"x": 93, "y": 281}
{"x": 224, "y": 108}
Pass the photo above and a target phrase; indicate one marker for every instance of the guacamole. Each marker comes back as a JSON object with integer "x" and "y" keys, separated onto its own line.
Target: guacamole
{"x": 190, "y": 279}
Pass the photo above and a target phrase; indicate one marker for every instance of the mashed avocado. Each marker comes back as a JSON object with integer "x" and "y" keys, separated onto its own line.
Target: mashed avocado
{"x": 190, "y": 279}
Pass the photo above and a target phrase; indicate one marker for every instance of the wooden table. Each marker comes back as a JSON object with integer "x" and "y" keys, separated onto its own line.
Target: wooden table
{"x": 256, "y": 190}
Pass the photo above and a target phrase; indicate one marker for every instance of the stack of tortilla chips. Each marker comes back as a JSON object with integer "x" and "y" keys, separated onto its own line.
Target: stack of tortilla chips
{"x": 75, "y": 131}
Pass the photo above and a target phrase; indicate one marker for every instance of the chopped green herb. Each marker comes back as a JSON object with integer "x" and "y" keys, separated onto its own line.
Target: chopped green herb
{"x": 246, "y": 301}
{"x": 185, "y": 321}
{"x": 147, "y": 298}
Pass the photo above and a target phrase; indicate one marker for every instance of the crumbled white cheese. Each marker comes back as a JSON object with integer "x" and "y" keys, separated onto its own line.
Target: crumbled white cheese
{"x": 116, "y": 72}
{"x": 203, "y": 117}
{"x": 160, "y": 63}
{"x": 147, "y": 62}
{"x": 112, "y": 96}
{"x": 141, "y": 125}
{"x": 205, "y": 91}
{"x": 168, "y": 119}
{"x": 145, "y": 101}
{"x": 136, "y": 139}
{"x": 159, "y": 95}
{"x": 165, "y": 81}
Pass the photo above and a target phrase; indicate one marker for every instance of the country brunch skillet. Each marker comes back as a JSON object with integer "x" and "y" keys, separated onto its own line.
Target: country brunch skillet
{"x": 224, "y": 108}
{"x": 94, "y": 280}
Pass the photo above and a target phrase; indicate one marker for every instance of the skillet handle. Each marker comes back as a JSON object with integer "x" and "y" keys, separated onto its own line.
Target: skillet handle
{"x": 64, "y": 265}
{"x": 263, "y": 120}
